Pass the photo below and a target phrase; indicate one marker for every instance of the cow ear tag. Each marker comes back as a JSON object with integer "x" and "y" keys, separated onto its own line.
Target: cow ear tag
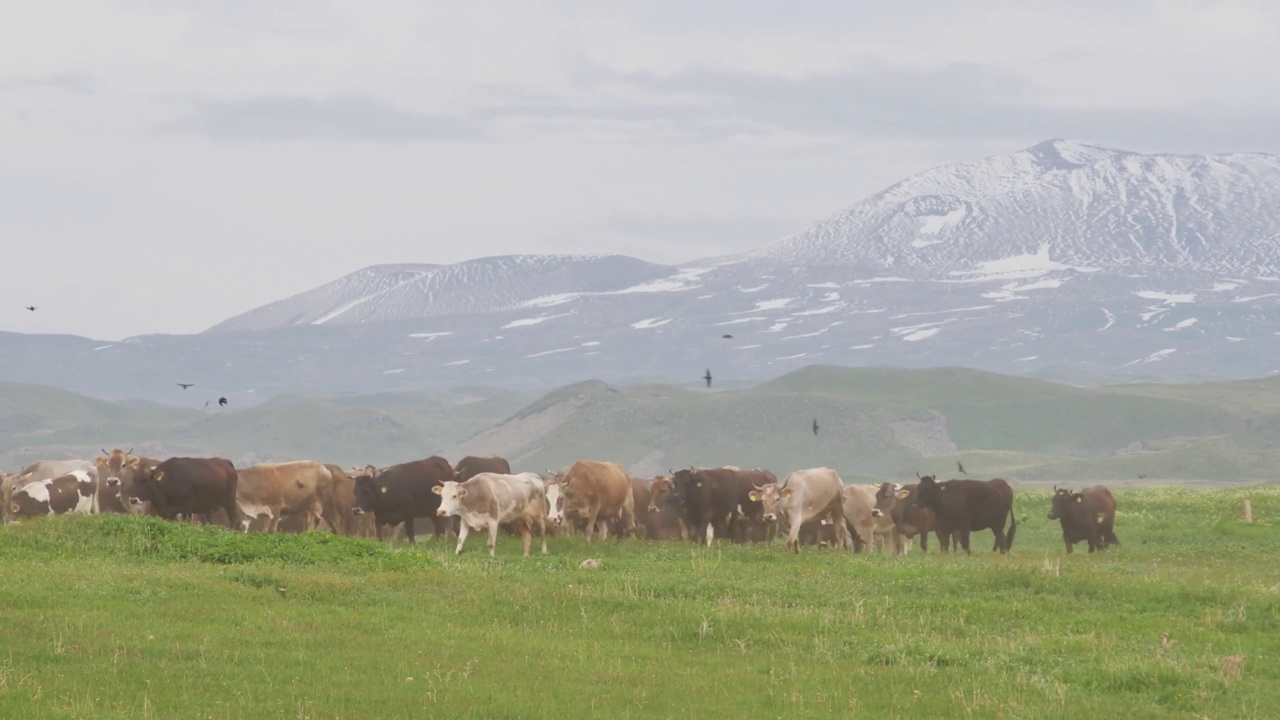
{"x": 382, "y": 489}
{"x": 159, "y": 475}
{"x": 15, "y": 508}
{"x": 1079, "y": 498}
{"x": 699, "y": 483}
{"x": 902, "y": 494}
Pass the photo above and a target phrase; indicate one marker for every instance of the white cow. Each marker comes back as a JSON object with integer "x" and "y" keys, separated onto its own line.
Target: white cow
{"x": 489, "y": 500}
{"x": 865, "y": 529}
{"x": 804, "y": 495}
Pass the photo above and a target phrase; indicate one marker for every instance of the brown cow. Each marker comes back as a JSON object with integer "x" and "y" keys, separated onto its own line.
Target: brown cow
{"x": 272, "y": 490}
{"x": 663, "y": 512}
{"x": 70, "y": 493}
{"x": 1087, "y": 515}
{"x": 189, "y": 486}
{"x": 471, "y": 465}
{"x": 909, "y": 519}
{"x": 640, "y": 495}
{"x": 866, "y": 530}
{"x": 596, "y": 491}
{"x": 963, "y": 506}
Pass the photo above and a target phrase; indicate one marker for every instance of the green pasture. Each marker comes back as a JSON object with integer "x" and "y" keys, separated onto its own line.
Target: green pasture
{"x": 115, "y": 617}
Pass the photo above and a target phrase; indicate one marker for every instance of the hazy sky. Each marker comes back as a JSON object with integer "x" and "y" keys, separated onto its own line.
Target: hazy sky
{"x": 165, "y": 164}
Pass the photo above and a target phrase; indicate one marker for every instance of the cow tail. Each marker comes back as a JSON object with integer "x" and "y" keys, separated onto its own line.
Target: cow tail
{"x": 1013, "y": 527}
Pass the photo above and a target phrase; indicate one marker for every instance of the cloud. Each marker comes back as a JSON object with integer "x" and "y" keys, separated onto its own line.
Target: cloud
{"x": 347, "y": 117}
{"x": 81, "y": 83}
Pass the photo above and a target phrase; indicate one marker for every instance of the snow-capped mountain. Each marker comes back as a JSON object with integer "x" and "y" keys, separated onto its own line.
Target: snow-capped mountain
{"x": 1064, "y": 259}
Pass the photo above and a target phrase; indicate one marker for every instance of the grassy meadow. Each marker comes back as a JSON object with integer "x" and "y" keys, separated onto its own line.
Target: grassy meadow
{"x": 115, "y": 617}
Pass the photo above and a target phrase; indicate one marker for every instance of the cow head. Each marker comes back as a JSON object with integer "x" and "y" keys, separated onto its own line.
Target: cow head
{"x": 555, "y": 502}
{"x": 772, "y": 499}
{"x": 368, "y": 493}
{"x": 888, "y": 496}
{"x": 1063, "y": 499}
{"x": 451, "y": 494}
{"x": 929, "y": 492}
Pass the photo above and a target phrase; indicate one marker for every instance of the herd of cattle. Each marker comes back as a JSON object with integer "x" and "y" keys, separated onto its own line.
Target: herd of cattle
{"x": 481, "y": 493}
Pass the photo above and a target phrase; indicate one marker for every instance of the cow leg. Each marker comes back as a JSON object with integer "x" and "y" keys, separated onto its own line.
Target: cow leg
{"x": 793, "y": 533}
{"x": 963, "y": 532}
{"x": 542, "y": 531}
{"x": 527, "y": 535}
{"x": 628, "y": 523}
{"x": 463, "y": 530}
{"x": 924, "y": 541}
{"x": 493, "y": 537}
{"x": 408, "y": 531}
{"x": 591, "y": 523}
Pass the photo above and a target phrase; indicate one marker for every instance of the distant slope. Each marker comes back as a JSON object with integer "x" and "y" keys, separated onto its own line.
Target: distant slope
{"x": 46, "y": 423}
{"x": 891, "y": 423}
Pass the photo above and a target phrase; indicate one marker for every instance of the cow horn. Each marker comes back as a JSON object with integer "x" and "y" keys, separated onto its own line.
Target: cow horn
{"x": 104, "y": 451}
{"x": 917, "y": 474}
{"x": 129, "y": 451}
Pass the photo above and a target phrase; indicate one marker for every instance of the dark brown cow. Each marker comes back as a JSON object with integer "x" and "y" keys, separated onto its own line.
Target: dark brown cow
{"x": 1087, "y": 515}
{"x": 403, "y": 492}
{"x": 470, "y": 466}
{"x": 189, "y": 486}
{"x": 909, "y": 519}
{"x": 708, "y": 499}
{"x": 748, "y": 518}
{"x": 963, "y": 506}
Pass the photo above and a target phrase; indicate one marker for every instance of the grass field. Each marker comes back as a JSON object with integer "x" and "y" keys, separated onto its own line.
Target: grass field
{"x": 114, "y": 617}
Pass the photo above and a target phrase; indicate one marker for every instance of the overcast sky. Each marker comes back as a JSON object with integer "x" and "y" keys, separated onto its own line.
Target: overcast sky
{"x": 165, "y": 164}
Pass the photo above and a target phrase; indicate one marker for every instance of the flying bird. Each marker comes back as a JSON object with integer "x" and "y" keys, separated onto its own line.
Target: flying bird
{"x": 32, "y": 308}
{"x": 961, "y": 468}
{"x": 184, "y": 386}
{"x": 707, "y": 377}
{"x": 206, "y": 403}
{"x": 222, "y": 401}
{"x": 815, "y": 426}
{"x": 727, "y": 336}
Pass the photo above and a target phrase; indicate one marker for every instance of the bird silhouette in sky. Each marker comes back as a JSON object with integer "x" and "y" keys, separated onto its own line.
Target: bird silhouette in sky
{"x": 727, "y": 336}
{"x": 206, "y": 403}
{"x": 961, "y": 468}
{"x": 32, "y": 308}
{"x": 184, "y": 386}
{"x": 222, "y": 402}
{"x": 815, "y": 426}
{"x": 707, "y": 377}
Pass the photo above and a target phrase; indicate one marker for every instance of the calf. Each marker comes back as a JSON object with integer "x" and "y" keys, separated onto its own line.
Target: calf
{"x": 403, "y": 492}
{"x": 898, "y": 502}
{"x": 70, "y": 493}
{"x": 1087, "y": 515}
{"x": 804, "y": 496}
{"x": 963, "y": 506}
{"x": 489, "y": 500}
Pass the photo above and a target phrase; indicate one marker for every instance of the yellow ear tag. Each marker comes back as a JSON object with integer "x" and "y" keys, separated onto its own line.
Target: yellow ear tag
{"x": 15, "y": 508}
{"x": 159, "y": 475}
{"x": 902, "y": 494}
{"x": 699, "y": 483}
{"x": 382, "y": 489}
{"x": 1079, "y": 498}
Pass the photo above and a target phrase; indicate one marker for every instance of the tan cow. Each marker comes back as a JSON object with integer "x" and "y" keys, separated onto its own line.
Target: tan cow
{"x": 272, "y": 490}
{"x": 117, "y": 473}
{"x": 598, "y": 491}
{"x": 804, "y": 495}
{"x": 344, "y": 500}
{"x": 865, "y": 530}
{"x": 489, "y": 500}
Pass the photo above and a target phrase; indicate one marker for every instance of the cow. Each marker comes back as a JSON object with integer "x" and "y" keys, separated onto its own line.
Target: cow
{"x": 400, "y": 493}
{"x": 596, "y": 491}
{"x": 640, "y": 495}
{"x": 188, "y": 486}
{"x": 1086, "y": 515}
{"x": 272, "y": 490}
{"x": 803, "y": 496}
{"x": 663, "y": 512}
{"x": 470, "y": 466}
{"x": 708, "y": 501}
{"x": 865, "y": 530}
{"x": 963, "y": 506}
{"x": 70, "y": 493}
{"x": 748, "y": 519}
{"x": 344, "y": 501}
{"x": 898, "y": 502}
{"x": 488, "y": 500}
{"x": 47, "y": 470}
{"x": 117, "y": 473}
